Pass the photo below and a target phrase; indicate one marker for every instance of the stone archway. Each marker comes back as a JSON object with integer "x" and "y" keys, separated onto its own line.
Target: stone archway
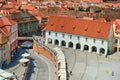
{"x": 70, "y": 45}
{"x": 86, "y": 47}
{"x": 63, "y": 43}
{"x": 49, "y": 41}
{"x": 102, "y": 50}
{"x": 56, "y": 42}
{"x": 94, "y": 49}
{"x": 78, "y": 46}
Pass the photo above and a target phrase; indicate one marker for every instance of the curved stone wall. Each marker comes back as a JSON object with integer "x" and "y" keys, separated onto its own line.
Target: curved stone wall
{"x": 45, "y": 51}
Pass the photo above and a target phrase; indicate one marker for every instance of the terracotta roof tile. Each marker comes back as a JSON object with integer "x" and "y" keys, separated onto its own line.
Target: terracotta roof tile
{"x": 92, "y": 1}
{"x": 5, "y": 31}
{"x": 89, "y": 28}
{"x": 117, "y": 22}
{"x": 5, "y": 21}
{"x": 26, "y": 7}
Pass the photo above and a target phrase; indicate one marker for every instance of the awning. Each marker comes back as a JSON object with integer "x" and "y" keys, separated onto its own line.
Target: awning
{"x": 4, "y": 75}
{"x": 23, "y": 60}
{"x": 26, "y": 55}
{"x": 26, "y": 44}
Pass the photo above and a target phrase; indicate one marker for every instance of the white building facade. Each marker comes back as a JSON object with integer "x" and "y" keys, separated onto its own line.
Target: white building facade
{"x": 83, "y": 43}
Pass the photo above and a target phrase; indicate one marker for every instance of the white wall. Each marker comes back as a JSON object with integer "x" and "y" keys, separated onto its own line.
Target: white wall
{"x": 82, "y": 40}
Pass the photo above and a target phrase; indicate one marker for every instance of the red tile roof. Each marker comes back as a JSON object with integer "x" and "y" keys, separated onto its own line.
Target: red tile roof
{"x": 5, "y": 21}
{"x": 117, "y": 22}
{"x": 5, "y": 25}
{"x": 92, "y": 1}
{"x": 89, "y": 28}
{"x": 100, "y": 19}
{"x": 26, "y": 7}
{"x": 5, "y": 31}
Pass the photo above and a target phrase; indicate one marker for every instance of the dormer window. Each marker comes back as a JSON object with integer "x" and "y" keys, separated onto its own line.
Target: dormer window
{"x": 62, "y": 26}
{"x": 52, "y": 24}
{"x": 85, "y": 29}
{"x": 99, "y": 31}
{"x": 73, "y": 27}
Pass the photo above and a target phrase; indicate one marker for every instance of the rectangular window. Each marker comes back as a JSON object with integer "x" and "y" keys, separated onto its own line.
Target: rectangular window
{"x": 116, "y": 40}
{"x": 94, "y": 40}
{"x": 4, "y": 48}
{"x": 78, "y": 37}
{"x": 49, "y": 33}
{"x": 56, "y": 34}
{"x": 86, "y": 39}
{"x": 102, "y": 41}
{"x": 4, "y": 54}
{"x": 70, "y": 36}
{"x": 63, "y": 35}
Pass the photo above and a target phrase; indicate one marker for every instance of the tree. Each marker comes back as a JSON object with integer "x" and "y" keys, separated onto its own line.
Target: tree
{"x": 104, "y": 0}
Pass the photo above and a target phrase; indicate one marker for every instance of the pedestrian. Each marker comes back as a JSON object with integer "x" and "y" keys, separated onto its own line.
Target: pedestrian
{"x": 70, "y": 72}
{"x": 112, "y": 73}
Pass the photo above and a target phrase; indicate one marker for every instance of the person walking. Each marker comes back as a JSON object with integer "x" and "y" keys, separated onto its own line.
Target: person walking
{"x": 70, "y": 72}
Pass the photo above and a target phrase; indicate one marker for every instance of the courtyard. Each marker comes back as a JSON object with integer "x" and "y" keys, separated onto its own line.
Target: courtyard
{"x": 91, "y": 66}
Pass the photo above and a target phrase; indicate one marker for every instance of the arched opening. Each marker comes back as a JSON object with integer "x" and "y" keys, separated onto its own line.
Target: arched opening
{"x": 77, "y": 46}
{"x": 86, "y": 47}
{"x": 49, "y": 41}
{"x": 63, "y": 43}
{"x": 115, "y": 49}
{"x": 70, "y": 45}
{"x": 102, "y": 50}
{"x": 56, "y": 42}
{"x": 94, "y": 49}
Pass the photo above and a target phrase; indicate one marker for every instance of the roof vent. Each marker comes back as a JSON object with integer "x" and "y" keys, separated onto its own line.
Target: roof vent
{"x": 86, "y": 28}
{"x": 62, "y": 26}
{"x": 52, "y": 24}
{"x": 73, "y": 27}
{"x": 99, "y": 31}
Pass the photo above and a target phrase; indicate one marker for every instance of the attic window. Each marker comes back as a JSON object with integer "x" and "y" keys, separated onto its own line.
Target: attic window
{"x": 52, "y": 24}
{"x": 86, "y": 28}
{"x": 73, "y": 27}
{"x": 62, "y": 26}
{"x": 99, "y": 31}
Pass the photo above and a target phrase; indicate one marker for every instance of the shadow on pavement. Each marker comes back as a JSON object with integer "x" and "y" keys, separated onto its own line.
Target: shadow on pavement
{"x": 31, "y": 71}
{"x": 16, "y": 59}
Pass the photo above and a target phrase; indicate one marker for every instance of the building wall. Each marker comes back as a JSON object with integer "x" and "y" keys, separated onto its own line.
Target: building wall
{"x": 116, "y": 41}
{"x": 110, "y": 40}
{"x": 46, "y": 53}
{"x": 6, "y": 58}
{"x": 27, "y": 29}
{"x": 99, "y": 43}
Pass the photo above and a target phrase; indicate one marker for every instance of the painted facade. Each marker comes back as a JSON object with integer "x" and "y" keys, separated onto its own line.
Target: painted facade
{"x": 13, "y": 39}
{"x": 116, "y": 35}
{"x": 75, "y": 41}
{"x": 4, "y": 49}
{"x": 27, "y": 23}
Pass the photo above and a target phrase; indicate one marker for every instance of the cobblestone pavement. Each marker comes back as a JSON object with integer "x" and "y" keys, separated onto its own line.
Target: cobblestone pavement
{"x": 16, "y": 66}
{"x": 91, "y": 66}
{"x": 41, "y": 68}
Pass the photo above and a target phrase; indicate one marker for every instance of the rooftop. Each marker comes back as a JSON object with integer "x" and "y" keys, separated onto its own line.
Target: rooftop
{"x": 82, "y": 27}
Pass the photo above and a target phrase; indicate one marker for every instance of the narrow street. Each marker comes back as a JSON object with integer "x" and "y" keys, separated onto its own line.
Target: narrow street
{"x": 41, "y": 68}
